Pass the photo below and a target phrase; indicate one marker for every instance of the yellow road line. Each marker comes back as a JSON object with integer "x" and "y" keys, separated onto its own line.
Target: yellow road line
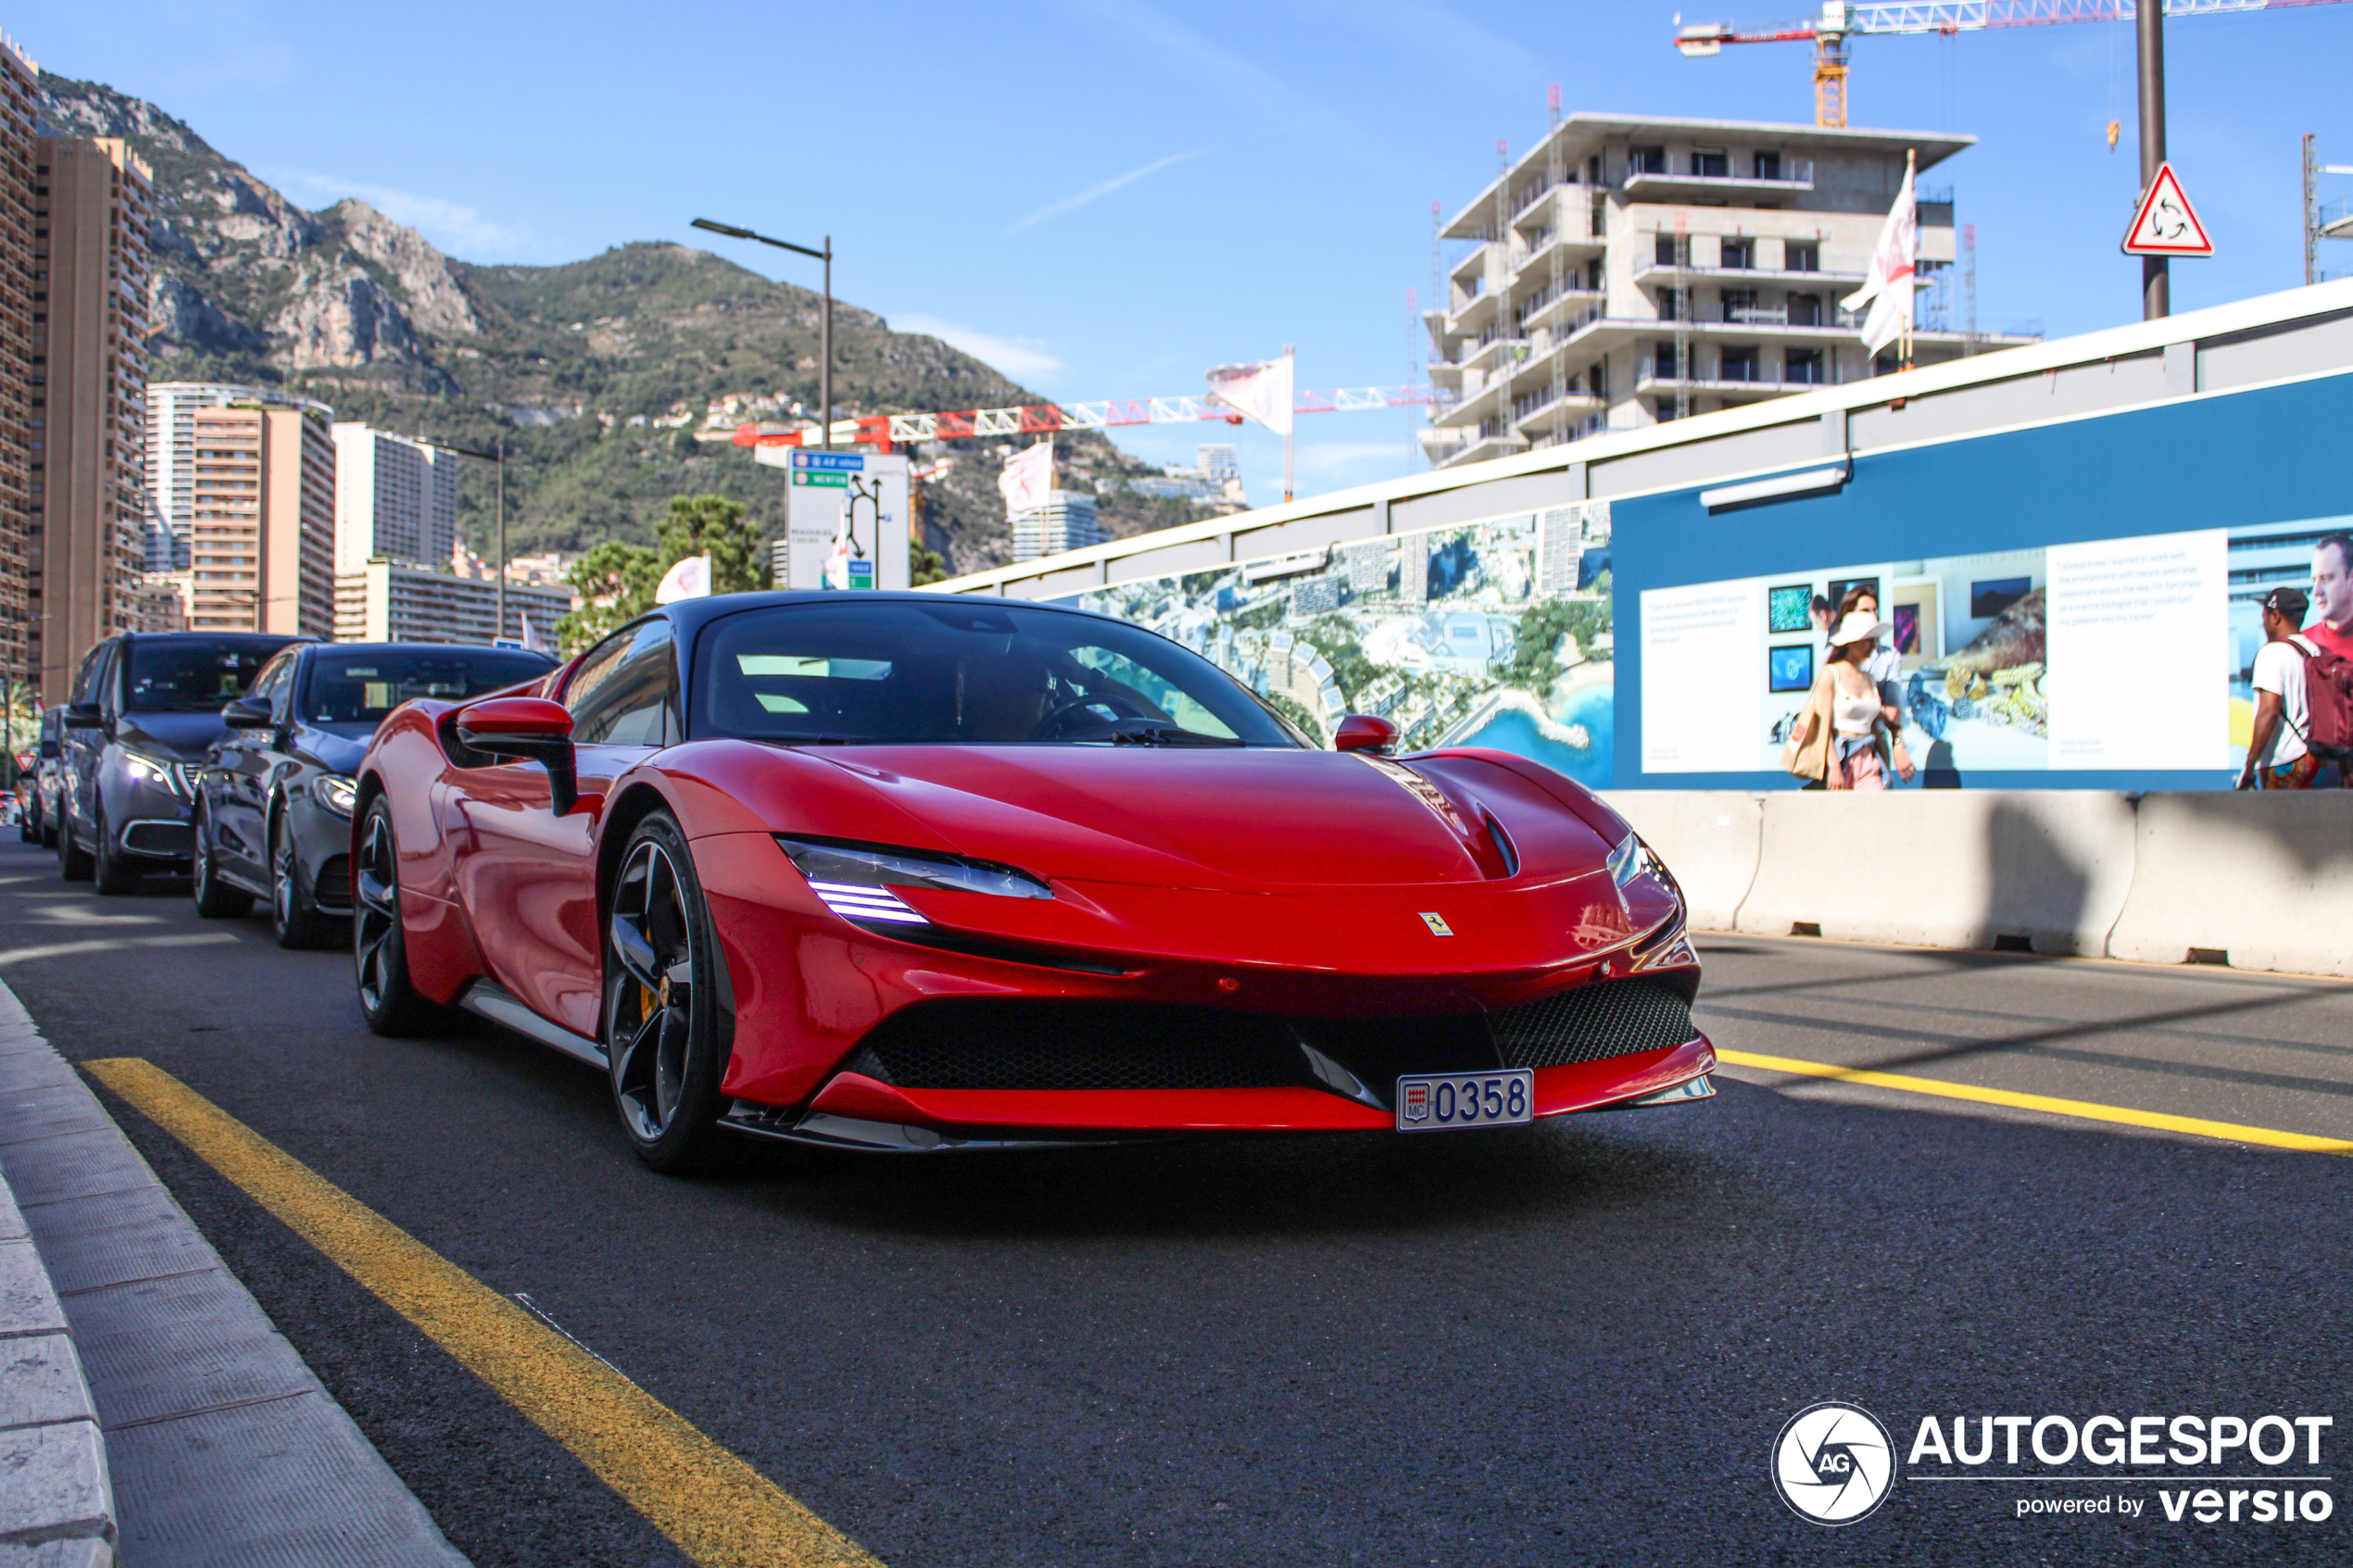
{"x": 717, "y": 1509}
{"x": 2085, "y": 1110}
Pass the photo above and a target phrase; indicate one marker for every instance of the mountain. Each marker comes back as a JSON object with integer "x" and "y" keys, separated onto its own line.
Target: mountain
{"x": 594, "y": 374}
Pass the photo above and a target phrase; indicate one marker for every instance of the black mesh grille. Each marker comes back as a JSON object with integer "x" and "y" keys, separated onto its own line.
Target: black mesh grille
{"x": 1616, "y": 1017}
{"x": 335, "y": 882}
{"x": 996, "y": 1045}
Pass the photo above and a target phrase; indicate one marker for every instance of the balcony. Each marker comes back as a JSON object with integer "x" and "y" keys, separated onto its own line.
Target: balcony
{"x": 1796, "y": 177}
{"x": 1667, "y": 272}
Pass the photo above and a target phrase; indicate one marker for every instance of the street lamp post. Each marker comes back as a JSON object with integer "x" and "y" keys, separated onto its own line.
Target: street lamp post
{"x": 2157, "y": 283}
{"x": 496, "y": 456}
{"x": 825, "y": 321}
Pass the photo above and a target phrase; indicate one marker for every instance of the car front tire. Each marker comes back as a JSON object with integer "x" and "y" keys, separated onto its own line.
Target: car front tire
{"x": 293, "y": 917}
{"x": 110, "y": 872}
{"x": 73, "y": 861}
{"x": 215, "y": 898}
{"x": 391, "y": 1005}
{"x": 663, "y": 1033}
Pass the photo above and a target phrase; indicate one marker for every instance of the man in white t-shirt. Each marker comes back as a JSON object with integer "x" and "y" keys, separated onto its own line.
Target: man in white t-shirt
{"x": 2276, "y": 757}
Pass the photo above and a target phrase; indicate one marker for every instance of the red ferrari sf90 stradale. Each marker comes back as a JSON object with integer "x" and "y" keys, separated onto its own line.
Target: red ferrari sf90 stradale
{"x": 916, "y": 871}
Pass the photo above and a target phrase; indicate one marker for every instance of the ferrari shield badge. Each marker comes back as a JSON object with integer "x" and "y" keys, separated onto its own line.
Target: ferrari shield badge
{"x": 1436, "y": 924}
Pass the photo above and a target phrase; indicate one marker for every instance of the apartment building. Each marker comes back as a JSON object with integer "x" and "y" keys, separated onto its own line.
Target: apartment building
{"x": 19, "y": 103}
{"x": 171, "y": 439}
{"x": 91, "y": 214}
{"x": 390, "y": 601}
{"x": 394, "y": 496}
{"x": 262, "y": 529}
{"x": 1630, "y": 269}
{"x": 1067, "y": 521}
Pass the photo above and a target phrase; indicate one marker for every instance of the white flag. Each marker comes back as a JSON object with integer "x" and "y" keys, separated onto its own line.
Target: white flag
{"x": 531, "y": 641}
{"x": 1890, "y": 287}
{"x": 1263, "y": 390}
{"x": 1028, "y": 479}
{"x": 690, "y": 579}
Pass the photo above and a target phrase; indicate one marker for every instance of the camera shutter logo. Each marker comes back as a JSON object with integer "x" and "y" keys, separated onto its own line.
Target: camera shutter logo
{"x": 1833, "y": 1463}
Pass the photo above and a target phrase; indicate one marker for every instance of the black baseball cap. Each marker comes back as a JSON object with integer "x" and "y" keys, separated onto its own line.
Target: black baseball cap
{"x": 2288, "y": 602}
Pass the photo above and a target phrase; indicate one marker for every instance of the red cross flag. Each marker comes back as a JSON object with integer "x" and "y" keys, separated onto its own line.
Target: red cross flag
{"x": 2166, "y": 223}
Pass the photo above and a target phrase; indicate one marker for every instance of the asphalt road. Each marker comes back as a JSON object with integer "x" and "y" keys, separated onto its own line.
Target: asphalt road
{"x": 1571, "y": 1344}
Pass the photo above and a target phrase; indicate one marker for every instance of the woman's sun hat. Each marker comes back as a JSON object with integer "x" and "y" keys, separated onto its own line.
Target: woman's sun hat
{"x": 1858, "y": 628}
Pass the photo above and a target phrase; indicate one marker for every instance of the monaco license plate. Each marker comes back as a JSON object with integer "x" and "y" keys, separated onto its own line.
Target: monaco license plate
{"x": 1445, "y": 1101}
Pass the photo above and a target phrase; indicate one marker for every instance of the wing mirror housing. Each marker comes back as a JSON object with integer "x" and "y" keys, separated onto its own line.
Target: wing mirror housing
{"x": 85, "y": 716}
{"x": 246, "y": 714}
{"x": 1365, "y": 732}
{"x": 525, "y": 729}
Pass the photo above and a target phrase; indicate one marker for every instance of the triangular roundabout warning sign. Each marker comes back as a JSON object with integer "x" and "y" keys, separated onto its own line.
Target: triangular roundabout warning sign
{"x": 2166, "y": 224}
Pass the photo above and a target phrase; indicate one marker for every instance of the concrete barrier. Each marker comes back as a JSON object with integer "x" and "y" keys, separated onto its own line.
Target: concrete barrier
{"x": 1945, "y": 868}
{"x": 1710, "y": 839}
{"x": 2265, "y": 878}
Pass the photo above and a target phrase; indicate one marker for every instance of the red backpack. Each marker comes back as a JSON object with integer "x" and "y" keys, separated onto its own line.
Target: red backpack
{"x": 2328, "y": 699}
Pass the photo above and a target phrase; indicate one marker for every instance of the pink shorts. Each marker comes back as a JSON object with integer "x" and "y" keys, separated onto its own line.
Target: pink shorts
{"x": 1861, "y": 770}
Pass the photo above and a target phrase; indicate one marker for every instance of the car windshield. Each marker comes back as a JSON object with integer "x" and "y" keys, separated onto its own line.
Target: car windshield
{"x": 192, "y": 673}
{"x": 360, "y": 687}
{"x": 891, "y": 673}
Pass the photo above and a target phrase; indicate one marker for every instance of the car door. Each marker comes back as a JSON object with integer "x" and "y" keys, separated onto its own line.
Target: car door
{"x": 238, "y": 782}
{"x": 529, "y": 877}
{"x": 83, "y": 747}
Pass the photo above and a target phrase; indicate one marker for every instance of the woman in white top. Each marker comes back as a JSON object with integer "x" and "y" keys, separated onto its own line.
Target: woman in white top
{"x": 1851, "y": 699}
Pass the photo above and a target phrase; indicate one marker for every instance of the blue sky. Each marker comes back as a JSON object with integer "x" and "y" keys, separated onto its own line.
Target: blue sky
{"x": 1104, "y": 197}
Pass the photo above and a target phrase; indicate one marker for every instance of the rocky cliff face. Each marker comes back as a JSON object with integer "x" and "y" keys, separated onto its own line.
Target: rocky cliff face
{"x": 593, "y": 374}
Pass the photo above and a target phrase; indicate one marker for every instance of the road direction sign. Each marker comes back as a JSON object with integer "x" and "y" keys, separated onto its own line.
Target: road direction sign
{"x": 2166, "y": 223}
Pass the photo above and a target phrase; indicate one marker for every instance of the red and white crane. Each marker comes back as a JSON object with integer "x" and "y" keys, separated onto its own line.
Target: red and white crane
{"x": 1841, "y": 20}
{"x": 885, "y": 431}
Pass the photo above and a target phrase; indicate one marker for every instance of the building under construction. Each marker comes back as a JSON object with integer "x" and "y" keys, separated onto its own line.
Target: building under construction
{"x": 1629, "y": 269}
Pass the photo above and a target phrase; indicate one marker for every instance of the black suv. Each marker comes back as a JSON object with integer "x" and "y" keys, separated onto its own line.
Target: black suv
{"x": 274, "y": 796}
{"x": 145, "y": 706}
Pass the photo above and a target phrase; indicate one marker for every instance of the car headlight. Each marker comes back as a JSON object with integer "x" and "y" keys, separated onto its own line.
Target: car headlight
{"x": 162, "y": 772}
{"x": 855, "y": 879}
{"x": 1630, "y": 860}
{"x": 337, "y": 793}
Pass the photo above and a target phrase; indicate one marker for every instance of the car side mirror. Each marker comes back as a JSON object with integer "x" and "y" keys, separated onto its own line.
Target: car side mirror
{"x": 1365, "y": 731}
{"x": 85, "y": 716}
{"x": 525, "y": 729}
{"x": 246, "y": 714}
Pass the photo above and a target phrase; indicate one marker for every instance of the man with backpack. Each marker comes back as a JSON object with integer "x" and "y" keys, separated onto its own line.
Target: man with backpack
{"x": 2303, "y": 731}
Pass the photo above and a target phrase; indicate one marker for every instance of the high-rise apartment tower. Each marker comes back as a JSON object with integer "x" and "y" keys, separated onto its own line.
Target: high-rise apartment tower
{"x": 19, "y": 104}
{"x": 394, "y": 496}
{"x": 91, "y": 212}
{"x": 262, "y": 519}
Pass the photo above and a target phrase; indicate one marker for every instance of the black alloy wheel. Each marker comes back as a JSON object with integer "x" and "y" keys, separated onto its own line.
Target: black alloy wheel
{"x": 110, "y": 871}
{"x": 73, "y": 861}
{"x": 215, "y": 898}
{"x": 389, "y": 1003}
{"x": 663, "y": 1021}
{"x": 48, "y": 827}
{"x": 29, "y": 821}
{"x": 294, "y": 918}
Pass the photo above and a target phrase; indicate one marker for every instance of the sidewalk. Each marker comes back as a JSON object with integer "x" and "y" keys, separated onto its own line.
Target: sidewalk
{"x": 147, "y": 1406}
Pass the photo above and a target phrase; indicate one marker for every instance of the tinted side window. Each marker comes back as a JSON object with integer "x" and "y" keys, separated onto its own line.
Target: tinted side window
{"x": 273, "y": 685}
{"x": 624, "y": 693}
{"x": 86, "y": 684}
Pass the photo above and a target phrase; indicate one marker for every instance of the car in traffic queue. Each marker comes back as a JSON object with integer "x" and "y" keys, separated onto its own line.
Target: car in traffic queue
{"x": 271, "y": 818}
{"x": 38, "y": 822}
{"x": 908, "y": 871}
{"x": 145, "y": 708}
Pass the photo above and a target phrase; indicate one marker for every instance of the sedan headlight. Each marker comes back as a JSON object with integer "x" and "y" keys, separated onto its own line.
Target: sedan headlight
{"x": 337, "y": 793}
{"x": 162, "y": 773}
{"x": 855, "y": 879}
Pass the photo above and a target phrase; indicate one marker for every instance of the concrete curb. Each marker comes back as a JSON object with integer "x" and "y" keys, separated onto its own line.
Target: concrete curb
{"x": 146, "y": 1402}
{"x": 57, "y": 1503}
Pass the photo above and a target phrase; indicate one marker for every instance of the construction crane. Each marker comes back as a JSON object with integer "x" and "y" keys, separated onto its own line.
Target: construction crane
{"x": 1843, "y": 19}
{"x": 885, "y": 431}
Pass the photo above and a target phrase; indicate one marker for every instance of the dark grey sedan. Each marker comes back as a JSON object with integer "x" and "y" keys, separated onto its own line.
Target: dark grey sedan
{"x": 274, "y": 796}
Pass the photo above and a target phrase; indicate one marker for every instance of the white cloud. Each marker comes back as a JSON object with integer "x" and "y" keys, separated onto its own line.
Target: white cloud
{"x": 458, "y": 230}
{"x": 1027, "y": 359}
{"x": 1100, "y": 189}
